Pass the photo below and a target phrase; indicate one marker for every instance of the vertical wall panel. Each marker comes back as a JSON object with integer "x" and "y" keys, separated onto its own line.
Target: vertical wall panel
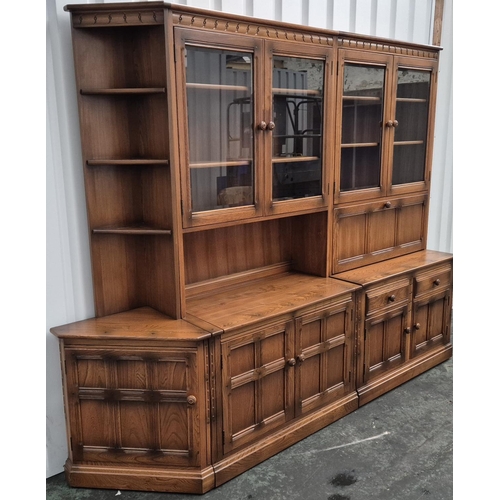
{"x": 291, "y": 11}
{"x": 233, "y": 6}
{"x": 363, "y": 16}
{"x": 341, "y": 15}
{"x": 404, "y": 18}
{"x": 383, "y": 17}
{"x": 319, "y": 14}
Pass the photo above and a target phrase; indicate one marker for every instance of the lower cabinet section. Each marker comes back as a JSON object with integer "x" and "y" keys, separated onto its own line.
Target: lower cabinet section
{"x": 404, "y": 313}
{"x": 157, "y": 404}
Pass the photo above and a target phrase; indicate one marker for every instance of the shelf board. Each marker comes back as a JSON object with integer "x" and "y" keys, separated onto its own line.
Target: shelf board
{"x": 360, "y": 145}
{"x": 134, "y": 162}
{"x": 215, "y": 164}
{"x": 407, "y": 143}
{"x": 409, "y": 99}
{"x": 132, "y": 230}
{"x": 297, "y": 91}
{"x": 360, "y": 98}
{"x": 124, "y": 91}
{"x": 294, "y": 159}
{"x": 296, "y": 136}
{"x": 214, "y": 86}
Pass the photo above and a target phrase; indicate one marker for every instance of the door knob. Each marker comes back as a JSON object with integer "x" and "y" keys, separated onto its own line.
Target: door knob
{"x": 271, "y": 126}
{"x": 262, "y": 125}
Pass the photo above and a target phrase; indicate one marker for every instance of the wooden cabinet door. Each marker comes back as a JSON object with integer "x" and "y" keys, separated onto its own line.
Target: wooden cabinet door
{"x": 431, "y": 322}
{"x": 324, "y": 348}
{"x": 220, "y": 111}
{"x": 135, "y": 406}
{"x": 366, "y": 233}
{"x": 385, "y": 342}
{"x": 257, "y": 383}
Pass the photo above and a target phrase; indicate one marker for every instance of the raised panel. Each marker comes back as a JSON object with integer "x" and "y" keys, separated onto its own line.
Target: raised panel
{"x": 130, "y": 406}
{"x": 324, "y": 356}
{"x": 376, "y": 231}
{"x": 385, "y": 343}
{"x": 257, "y": 383}
{"x": 431, "y": 323}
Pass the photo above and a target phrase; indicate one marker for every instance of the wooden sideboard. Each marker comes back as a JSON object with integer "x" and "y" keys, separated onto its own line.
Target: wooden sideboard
{"x": 257, "y": 197}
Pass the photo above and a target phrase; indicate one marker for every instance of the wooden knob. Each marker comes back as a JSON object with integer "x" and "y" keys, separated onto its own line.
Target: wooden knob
{"x": 417, "y": 326}
{"x": 387, "y": 204}
{"x": 191, "y": 400}
{"x": 262, "y": 125}
{"x": 390, "y": 124}
{"x": 392, "y": 298}
{"x": 407, "y": 329}
{"x": 395, "y": 123}
{"x": 292, "y": 361}
{"x": 437, "y": 281}
{"x": 271, "y": 126}
{"x": 301, "y": 358}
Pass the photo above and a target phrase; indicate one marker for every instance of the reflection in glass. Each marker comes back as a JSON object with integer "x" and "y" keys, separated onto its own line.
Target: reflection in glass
{"x": 220, "y": 123}
{"x": 298, "y": 118}
{"x": 412, "y": 109}
{"x": 362, "y": 114}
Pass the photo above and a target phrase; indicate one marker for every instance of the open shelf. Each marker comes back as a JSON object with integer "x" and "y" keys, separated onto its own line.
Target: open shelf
{"x": 127, "y": 162}
{"x": 297, "y": 92}
{"x": 124, "y": 91}
{"x": 138, "y": 229}
{"x": 410, "y": 99}
{"x": 360, "y": 145}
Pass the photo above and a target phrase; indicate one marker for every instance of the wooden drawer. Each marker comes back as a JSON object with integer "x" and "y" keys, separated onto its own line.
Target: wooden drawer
{"x": 435, "y": 278}
{"x": 387, "y": 296}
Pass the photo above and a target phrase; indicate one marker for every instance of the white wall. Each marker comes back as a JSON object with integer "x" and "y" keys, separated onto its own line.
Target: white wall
{"x": 68, "y": 276}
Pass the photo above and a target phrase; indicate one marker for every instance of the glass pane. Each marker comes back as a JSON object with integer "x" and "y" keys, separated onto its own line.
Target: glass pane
{"x": 298, "y": 133}
{"x": 220, "y": 124}
{"x": 362, "y": 114}
{"x": 412, "y": 109}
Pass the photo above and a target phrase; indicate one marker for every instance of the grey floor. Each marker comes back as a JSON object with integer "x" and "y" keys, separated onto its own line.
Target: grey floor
{"x": 397, "y": 447}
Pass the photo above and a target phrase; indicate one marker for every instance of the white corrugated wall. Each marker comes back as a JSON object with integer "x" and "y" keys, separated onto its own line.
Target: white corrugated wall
{"x": 68, "y": 276}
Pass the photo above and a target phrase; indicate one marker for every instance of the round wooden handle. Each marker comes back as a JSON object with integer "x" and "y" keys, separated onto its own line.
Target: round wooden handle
{"x": 395, "y": 123}
{"x": 390, "y": 124}
{"x": 271, "y": 125}
{"x": 392, "y": 298}
{"x": 292, "y": 361}
{"x": 417, "y": 326}
{"x": 407, "y": 329}
{"x": 387, "y": 204}
{"x": 191, "y": 400}
{"x": 437, "y": 281}
{"x": 262, "y": 125}
{"x": 301, "y": 358}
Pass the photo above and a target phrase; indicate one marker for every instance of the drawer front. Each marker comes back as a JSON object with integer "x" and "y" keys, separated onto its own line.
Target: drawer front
{"x": 387, "y": 296}
{"x": 433, "y": 279}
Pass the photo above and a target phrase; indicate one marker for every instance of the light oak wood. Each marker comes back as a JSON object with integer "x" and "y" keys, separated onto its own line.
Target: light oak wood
{"x": 224, "y": 335}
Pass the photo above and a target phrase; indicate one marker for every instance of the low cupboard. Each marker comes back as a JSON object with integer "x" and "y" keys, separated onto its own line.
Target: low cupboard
{"x": 257, "y": 199}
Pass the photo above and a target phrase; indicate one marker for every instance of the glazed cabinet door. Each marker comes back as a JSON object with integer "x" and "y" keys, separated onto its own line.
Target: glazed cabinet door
{"x": 257, "y": 383}
{"x": 411, "y": 132}
{"x": 129, "y": 406}
{"x": 296, "y": 117}
{"x": 363, "y": 94}
{"x": 324, "y": 355}
{"x": 385, "y": 114}
{"x": 220, "y": 112}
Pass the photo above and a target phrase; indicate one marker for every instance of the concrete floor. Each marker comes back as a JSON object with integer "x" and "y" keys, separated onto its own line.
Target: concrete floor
{"x": 397, "y": 447}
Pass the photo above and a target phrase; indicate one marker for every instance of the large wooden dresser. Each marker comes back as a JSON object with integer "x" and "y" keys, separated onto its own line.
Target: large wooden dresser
{"x": 257, "y": 199}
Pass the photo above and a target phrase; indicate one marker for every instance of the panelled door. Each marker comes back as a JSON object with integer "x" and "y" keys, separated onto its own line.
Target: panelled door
{"x": 257, "y": 383}
{"x": 324, "y": 348}
{"x": 133, "y": 405}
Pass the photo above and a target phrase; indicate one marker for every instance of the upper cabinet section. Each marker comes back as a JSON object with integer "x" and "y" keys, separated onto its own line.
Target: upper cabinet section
{"x": 252, "y": 118}
{"x": 385, "y": 110}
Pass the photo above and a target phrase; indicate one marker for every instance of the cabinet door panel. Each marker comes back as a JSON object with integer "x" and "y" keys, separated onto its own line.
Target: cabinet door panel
{"x": 324, "y": 357}
{"x": 257, "y": 386}
{"x": 134, "y": 406}
{"x": 376, "y": 231}
{"x": 431, "y": 325}
{"x": 385, "y": 343}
